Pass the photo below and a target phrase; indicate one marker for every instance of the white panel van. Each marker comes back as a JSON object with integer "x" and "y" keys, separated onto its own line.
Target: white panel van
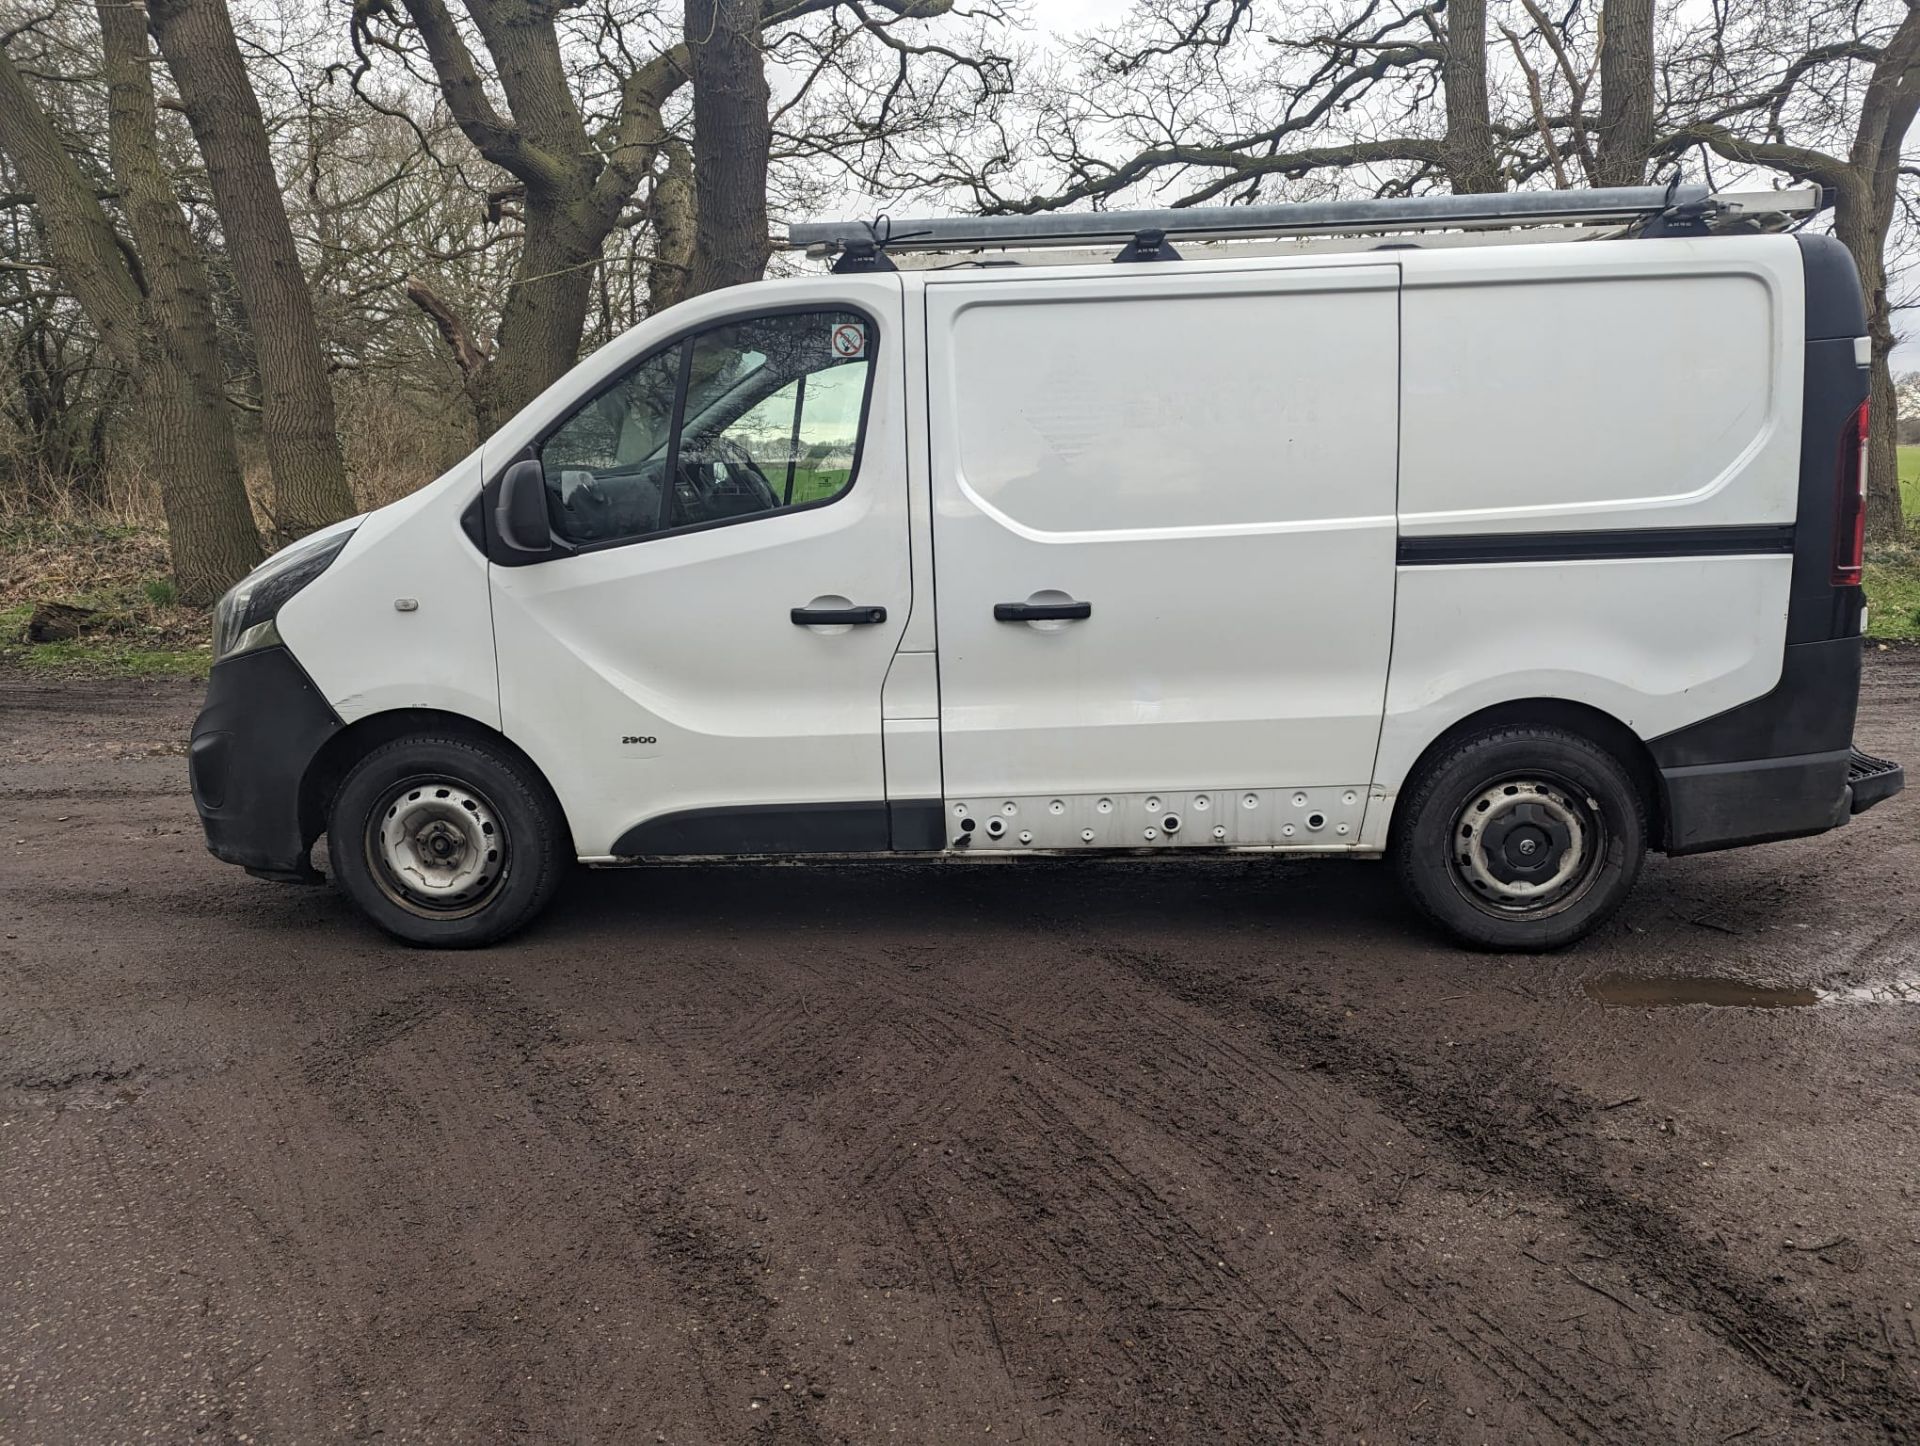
{"x": 1505, "y": 562}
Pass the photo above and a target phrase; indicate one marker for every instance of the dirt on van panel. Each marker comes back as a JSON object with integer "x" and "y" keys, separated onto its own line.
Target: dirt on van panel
{"x": 1050, "y": 1152}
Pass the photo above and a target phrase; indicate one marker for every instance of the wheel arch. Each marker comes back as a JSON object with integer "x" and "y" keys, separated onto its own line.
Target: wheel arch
{"x": 349, "y": 745}
{"x": 1594, "y": 724}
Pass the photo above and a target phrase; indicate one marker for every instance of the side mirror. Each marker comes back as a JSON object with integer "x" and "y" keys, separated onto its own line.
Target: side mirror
{"x": 520, "y": 513}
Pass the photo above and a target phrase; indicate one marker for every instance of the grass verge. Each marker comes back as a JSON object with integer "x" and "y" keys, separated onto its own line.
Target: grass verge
{"x": 120, "y": 573}
{"x": 1893, "y": 594}
{"x": 1910, "y": 484}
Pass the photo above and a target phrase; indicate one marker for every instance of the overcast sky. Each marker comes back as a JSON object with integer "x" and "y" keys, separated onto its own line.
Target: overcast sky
{"x": 1067, "y": 16}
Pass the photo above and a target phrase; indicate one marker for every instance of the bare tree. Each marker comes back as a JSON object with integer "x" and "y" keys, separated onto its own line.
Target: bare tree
{"x": 296, "y": 417}
{"x": 571, "y": 192}
{"x": 1352, "y": 92}
{"x": 58, "y": 391}
{"x": 580, "y": 138}
{"x": 149, "y": 300}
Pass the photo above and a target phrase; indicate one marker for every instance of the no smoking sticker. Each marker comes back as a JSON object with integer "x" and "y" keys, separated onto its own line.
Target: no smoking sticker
{"x": 849, "y": 340}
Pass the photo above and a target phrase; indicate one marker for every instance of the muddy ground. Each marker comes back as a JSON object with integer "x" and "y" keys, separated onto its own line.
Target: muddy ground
{"x": 1048, "y": 1153}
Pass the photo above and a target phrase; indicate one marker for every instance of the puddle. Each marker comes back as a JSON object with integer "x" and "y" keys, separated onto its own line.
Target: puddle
{"x": 1644, "y": 991}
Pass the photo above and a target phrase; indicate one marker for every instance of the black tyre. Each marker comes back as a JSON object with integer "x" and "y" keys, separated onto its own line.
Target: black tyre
{"x": 447, "y": 842}
{"x": 1520, "y": 838}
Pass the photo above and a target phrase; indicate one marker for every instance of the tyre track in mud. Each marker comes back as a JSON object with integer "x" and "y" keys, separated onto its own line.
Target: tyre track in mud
{"x": 1028, "y": 1154}
{"x": 640, "y": 1224}
{"x": 1855, "y": 1377}
{"x": 1037, "y": 1144}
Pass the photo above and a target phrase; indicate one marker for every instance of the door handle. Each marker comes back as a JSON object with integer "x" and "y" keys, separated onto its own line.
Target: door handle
{"x": 830, "y": 617}
{"x": 1066, "y": 612}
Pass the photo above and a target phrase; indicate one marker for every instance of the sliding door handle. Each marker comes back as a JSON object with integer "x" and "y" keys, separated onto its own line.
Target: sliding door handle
{"x": 1063, "y": 612}
{"x": 837, "y": 617}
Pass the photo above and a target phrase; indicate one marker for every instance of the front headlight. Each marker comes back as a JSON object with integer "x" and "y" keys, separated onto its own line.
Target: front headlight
{"x": 243, "y": 619}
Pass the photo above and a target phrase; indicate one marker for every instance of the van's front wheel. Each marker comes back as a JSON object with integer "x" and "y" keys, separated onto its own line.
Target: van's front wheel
{"x": 446, "y": 842}
{"x": 1520, "y": 838}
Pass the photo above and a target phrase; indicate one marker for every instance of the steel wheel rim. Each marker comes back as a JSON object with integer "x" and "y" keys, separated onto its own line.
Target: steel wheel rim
{"x": 1527, "y": 845}
{"x": 437, "y": 847}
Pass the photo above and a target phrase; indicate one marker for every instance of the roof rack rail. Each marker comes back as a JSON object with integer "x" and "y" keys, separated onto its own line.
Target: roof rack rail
{"x": 1691, "y": 208}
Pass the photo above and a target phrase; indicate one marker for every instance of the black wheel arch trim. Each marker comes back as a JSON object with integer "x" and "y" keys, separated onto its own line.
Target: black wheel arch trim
{"x": 359, "y": 738}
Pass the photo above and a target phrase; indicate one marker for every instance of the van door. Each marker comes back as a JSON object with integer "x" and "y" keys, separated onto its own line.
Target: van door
{"x": 703, "y": 673}
{"x": 1164, "y": 530}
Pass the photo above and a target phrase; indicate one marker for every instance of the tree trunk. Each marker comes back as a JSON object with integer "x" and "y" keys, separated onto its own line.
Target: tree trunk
{"x": 1626, "y": 92}
{"x": 210, "y": 532}
{"x": 732, "y": 134}
{"x": 93, "y": 266}
{"x": 296, "y": 414}
{"x": 1467, "y": 152}
{"x": 671, "y": 209}
{"x": 545, "y": 313}
{"x": 180, "y": 381}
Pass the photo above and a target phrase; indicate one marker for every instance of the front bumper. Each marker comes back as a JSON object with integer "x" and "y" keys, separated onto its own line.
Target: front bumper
{"x": 261, "y": 727}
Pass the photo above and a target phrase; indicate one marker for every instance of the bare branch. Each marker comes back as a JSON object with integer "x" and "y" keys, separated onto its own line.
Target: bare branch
{"x": 468, "y": 354}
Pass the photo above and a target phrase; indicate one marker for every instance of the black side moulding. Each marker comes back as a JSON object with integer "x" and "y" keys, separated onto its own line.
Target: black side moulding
{"x": 907, "y": 826}
{"x": 791, "y": 828}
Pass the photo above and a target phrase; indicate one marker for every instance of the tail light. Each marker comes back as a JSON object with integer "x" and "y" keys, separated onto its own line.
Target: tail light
{"x": 1850, "y": 501}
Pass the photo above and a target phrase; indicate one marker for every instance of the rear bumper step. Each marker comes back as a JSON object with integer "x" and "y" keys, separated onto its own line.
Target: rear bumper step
{"x": 1870, "y": 780}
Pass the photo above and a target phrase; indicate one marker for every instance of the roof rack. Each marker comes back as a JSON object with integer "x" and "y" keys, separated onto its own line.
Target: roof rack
{"x": 1673, "y": 209}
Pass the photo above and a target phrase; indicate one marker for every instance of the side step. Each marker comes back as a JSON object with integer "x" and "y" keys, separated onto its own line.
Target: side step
{"x": 1870, "y": 779}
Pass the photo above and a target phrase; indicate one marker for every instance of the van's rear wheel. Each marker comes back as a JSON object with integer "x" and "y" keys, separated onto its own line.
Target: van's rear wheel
{"x": 447, "y": 842}
{"x": 1520, "y": 838}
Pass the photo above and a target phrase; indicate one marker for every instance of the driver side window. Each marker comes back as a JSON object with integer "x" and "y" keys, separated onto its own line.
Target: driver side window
{"x": 748, "y": 418}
